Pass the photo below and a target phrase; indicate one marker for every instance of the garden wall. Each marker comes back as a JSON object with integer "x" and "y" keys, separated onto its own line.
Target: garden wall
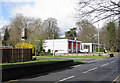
{"x": 21, "y": 71}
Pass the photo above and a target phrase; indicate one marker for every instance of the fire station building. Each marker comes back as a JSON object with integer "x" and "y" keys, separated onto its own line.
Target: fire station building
{"x": 62, "y": 45}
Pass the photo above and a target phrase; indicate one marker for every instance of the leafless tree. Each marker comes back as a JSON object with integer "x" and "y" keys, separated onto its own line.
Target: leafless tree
{"x": 104, "y": 37}
{"x": 87, "y": 31}
{"x": 51, "y": 28}
{"x": 98, "y": 10}
{"x": 17, "y": 23}
{"x": 35, "y": 29}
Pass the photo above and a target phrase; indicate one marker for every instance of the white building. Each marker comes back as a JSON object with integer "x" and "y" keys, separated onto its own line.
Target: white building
{"x": 91, "y": 46}
{"x": 62, "y": 45}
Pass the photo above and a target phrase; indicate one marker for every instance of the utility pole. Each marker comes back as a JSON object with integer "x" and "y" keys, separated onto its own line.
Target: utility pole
{"x": 53, "y": 49}
{"x": 53, "y": 36}
{"x": 53, "y": 46}
{"x": 98, "y": 40}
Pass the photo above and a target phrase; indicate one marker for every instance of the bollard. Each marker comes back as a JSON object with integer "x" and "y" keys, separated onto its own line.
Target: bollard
{"x": 111, "y": 55}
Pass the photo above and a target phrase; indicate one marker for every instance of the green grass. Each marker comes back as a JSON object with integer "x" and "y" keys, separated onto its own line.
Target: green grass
{"x": 77, "y": 56}
{"x": 79, "y": 62}
{"x": 32, "y": 62}
{"x": 38, "y": 61}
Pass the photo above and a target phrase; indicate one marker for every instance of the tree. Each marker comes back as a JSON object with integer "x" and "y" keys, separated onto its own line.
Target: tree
{"x": 108, "y": 36}
{"x": 39, "y": 46}
{"x": 51, "y": 28}
{"x": 71, "y": 34}
{"x": 17, "y": 23}
{"x": 87, "y": 32}
{"x": 98, "y": 10}
{"x": 104, "y": 37}
{"x": 0, "y": 36}
{"x": 5, "y": 41}
{"x": 34, "y": 28}
{"x": 0, "y": 39}
{"x": 112, "y": 35}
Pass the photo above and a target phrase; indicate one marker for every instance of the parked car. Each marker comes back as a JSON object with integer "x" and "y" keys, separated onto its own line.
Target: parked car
{"x": 84, "y": 50}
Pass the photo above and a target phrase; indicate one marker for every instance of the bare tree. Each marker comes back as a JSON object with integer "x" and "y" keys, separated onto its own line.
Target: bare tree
{"x": 17, "y": 23}
{"x": 36, "y": 29}
{"x": 87, "y": 31}
{"x": 104, "y": 37}
{"x": 98, "y": 10}
{"x": 51, "y": 28}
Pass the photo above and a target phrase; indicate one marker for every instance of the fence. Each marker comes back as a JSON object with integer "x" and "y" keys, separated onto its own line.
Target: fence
{"x": 16, "y": 55}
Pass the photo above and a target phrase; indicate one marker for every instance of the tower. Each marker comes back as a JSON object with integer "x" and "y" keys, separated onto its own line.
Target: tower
{"x": 24, "y": 34}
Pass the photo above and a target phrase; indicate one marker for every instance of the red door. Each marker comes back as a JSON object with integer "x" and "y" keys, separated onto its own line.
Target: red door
{"x": 74, "y": 47}
{"x": 70, "y": 46}
{"x": 78, "y": 46}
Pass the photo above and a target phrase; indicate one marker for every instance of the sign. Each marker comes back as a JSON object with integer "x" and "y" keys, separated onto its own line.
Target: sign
{"x": 56, "y": 50}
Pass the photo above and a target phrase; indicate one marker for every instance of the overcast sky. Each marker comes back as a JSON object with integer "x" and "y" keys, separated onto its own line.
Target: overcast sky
{"x": 62, "y": 10}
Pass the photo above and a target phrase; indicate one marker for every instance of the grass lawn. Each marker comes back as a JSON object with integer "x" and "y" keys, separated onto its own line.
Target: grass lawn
{"x": 38, "y": 61}
{"x": 32, "y": 62}
{"x": 76, "y": 62}
{"x": 76, "y": 56}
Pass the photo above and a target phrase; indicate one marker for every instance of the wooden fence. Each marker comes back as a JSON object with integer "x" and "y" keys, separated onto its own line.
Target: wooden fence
{"x": 16, "y": 55}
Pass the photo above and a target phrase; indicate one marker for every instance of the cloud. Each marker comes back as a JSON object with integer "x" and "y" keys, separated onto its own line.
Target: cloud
{"x": 62, "y": 10}
{"x": 3, "y": 22}
{"x": 17, "y": 0}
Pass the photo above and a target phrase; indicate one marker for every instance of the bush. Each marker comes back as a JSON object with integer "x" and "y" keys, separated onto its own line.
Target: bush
{"x": 43, "y": 50}
{"x": 101, "y": 49}
{"x": 49, "y": 51}
{"x": 25, "y": 45}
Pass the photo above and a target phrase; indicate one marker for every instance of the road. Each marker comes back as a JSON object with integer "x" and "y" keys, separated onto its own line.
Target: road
{"x": 101, "y": 71}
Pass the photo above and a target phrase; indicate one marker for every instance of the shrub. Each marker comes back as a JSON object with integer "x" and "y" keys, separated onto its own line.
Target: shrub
{"x": 101, "y": 49}
{"x": 25, "y": 45}
{"x": 49, "y": 51}
{"x": 43, "y": 50}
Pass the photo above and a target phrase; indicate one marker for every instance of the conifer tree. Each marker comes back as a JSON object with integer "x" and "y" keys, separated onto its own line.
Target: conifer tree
{"x": 6, "y": 38}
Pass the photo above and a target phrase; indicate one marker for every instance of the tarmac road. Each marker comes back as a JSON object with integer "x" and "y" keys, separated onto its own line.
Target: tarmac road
{"x": 105, "y": 70}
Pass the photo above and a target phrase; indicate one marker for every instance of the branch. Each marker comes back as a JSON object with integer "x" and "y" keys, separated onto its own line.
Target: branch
{"x": 104, "y": 18}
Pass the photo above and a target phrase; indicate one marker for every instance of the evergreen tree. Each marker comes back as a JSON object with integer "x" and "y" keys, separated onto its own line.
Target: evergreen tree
{"x": 112, "y": 35}
{"x": 0, "y": 36}
{"x": 71, "y": 34}
{"x": 6, "y": 38}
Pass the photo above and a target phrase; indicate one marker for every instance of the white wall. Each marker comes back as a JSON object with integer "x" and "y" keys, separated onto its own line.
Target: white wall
{"x": 57, "y": 44}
